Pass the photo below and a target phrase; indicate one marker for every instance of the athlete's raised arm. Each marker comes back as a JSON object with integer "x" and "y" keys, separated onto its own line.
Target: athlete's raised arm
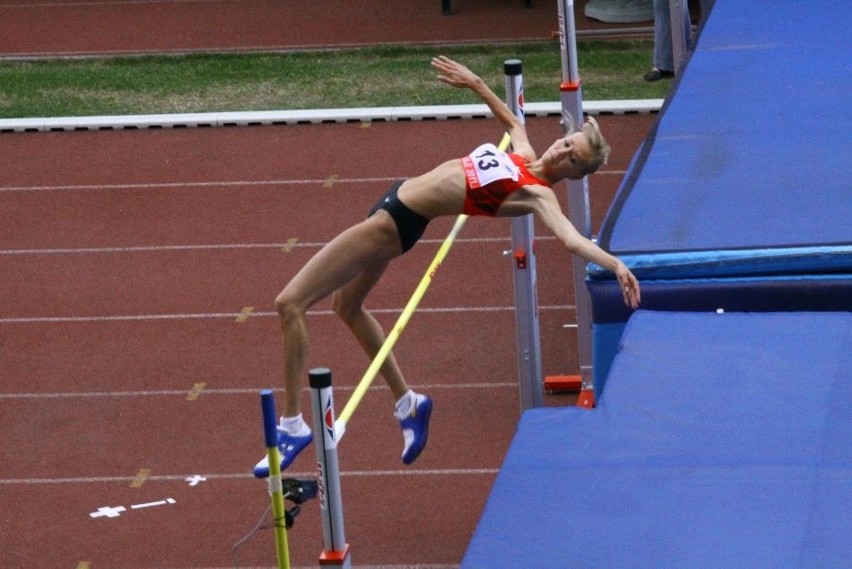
{"x": 457, "y": 75}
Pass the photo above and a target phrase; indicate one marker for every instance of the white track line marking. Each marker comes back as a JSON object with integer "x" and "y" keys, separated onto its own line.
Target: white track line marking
{"x": 269, "y": 314}
{"x": 221, "y": 184}
{"x": 192, "y": 185}
{"x": 247, "y": 475}
{"x": 233, "y": 391}
{"x": 224, "y": 246}
{"x": 152, "y": 504}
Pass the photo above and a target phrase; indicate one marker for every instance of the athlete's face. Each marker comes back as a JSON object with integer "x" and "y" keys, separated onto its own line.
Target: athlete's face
{"x": 569, "y": 157}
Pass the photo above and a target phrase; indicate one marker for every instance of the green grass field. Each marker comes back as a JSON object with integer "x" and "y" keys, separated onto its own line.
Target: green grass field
{"x": 370, "y": 77}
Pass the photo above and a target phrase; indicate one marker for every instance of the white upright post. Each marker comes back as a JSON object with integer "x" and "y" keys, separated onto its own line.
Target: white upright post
{"x": 335, "y": 549}
{"x": 578, "y": 194}
{"x": 527, "y": 327}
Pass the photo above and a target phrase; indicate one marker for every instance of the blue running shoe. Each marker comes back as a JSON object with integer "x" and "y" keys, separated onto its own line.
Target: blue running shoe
{"x": 415, "y": 429}
{"x": 289, "y": 446}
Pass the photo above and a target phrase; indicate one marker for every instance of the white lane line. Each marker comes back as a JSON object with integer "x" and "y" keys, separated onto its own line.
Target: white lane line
{"x": 222, "y": 184}
{"x": 269, "y": 314}
{"x": 224, "y": 246}
{"x": 190, "y": 185}
{"x": 244, "y": 476}
{"x": 233, "y": 391}
{"x": 154, "y": 248}
{"x": 123, "y": 318}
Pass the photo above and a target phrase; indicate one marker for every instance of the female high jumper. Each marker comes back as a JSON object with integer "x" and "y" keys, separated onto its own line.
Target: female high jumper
{"x": 487, "y": 182}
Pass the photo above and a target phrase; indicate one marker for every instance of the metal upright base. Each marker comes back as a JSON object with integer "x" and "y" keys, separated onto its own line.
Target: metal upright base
{"x": 335, "y": 549}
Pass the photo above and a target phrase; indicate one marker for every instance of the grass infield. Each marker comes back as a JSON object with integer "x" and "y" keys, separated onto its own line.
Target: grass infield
{"x": 366, "y": 77}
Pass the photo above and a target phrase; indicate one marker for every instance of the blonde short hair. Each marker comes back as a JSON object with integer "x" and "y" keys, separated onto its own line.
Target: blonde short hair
{"x": 600, "y": 147}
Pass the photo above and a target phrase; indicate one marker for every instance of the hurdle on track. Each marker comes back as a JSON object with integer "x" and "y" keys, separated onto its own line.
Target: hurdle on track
{"x": 328, "y": 430}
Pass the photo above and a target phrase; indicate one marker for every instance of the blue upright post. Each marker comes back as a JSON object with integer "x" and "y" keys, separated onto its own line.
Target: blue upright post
{"x": 276, "y": 491}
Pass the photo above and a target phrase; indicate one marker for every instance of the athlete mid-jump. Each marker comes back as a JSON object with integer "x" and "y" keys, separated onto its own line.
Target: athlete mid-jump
{"x": 487, "y": 182}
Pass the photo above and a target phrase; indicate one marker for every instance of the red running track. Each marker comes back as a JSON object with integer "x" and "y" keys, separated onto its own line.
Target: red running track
{"x": 139, "y": 269}
{"x": 38, "y": 28}
{"x": 138, "y": 272}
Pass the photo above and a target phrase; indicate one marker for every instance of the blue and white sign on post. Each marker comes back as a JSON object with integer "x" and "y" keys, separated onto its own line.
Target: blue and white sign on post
{"x": 335, "y": 549}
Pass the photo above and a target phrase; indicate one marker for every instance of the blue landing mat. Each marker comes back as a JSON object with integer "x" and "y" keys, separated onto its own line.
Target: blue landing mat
{"x": 720, "y": 441}
{"x": 748, "y": 170}
{"x": 741, "y": 196}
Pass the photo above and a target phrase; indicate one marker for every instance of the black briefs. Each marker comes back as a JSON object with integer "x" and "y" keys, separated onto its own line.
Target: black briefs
{"x": 409, "y": 224}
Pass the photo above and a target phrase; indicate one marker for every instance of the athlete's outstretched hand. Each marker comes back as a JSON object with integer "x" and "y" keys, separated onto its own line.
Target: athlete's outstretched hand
{"x": 629, "y": 286}
{"x": 454, "y": 73}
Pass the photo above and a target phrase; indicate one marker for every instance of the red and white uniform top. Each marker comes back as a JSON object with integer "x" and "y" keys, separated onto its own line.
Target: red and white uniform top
{"x": 492, "y": 175}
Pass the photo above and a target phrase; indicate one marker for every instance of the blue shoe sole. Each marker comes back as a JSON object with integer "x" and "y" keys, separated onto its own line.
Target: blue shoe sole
{"x": 298, "y": 443}
{"x": 420, "y": 425}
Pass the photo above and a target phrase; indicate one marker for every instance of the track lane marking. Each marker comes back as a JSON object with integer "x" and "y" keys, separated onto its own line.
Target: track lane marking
{"x": 196, "y": 390}
{"x": 260, "y": 314}
{"x": 231, "y": 391}
{"x": 190, "y": 185}
{"x": 141, "y": 478}
{"x": 224, "y": 184}
{"x": 248, "y": 476}
{"x": 287, "y": 247}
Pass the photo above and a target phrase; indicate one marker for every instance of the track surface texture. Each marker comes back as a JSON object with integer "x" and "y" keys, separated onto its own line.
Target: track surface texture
{"x": 137, "y": 327}
{"x": 39, "y": 28}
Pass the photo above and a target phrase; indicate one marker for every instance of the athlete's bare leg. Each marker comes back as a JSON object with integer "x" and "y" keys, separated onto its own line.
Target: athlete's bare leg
{"x": 362, "y": 246}
{"x": 349, "y": 305}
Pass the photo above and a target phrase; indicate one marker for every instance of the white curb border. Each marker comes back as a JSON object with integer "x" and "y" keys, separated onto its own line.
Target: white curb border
{"x": 319, "y": 116}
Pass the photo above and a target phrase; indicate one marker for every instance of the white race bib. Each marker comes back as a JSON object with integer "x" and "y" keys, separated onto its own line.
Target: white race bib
{"x": 487, "y": 164}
